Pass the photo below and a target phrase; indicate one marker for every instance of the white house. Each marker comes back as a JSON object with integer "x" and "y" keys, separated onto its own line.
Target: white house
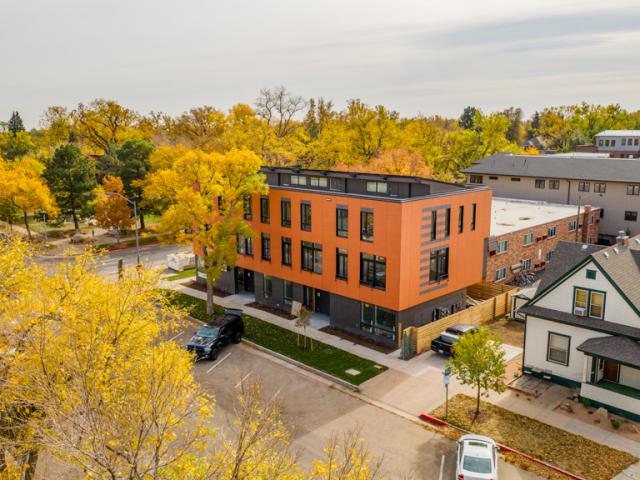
{"x": 583, "y": 324}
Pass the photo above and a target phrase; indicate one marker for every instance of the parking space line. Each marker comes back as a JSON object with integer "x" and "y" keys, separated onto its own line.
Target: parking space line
{"x": 175, "y": 336}
{"x": 219, "y": 362}
{"x": 243, "y": 379}
{"x": 442, "y": 467}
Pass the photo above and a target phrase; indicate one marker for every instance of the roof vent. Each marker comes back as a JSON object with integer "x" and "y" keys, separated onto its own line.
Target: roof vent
{"x": 606, "y": 254}
{"x": 637, "y": 240}
{"x": 584, "y": 247}
{"x": 615, "y": 249}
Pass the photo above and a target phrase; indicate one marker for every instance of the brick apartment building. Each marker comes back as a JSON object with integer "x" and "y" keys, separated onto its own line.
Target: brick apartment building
{"x": 524, "y": 235}
{"x": 375, "y": 253}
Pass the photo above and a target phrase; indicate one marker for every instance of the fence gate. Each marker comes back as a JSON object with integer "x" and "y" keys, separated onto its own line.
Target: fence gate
{"x": 408, "y": 343}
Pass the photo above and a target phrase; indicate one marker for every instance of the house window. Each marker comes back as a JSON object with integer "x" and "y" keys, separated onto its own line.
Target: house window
{"x": 503, "y": 245}
{"x": 558, "y": 348}
{"x": 539, "y": 183}
{"x": 298, "y": 180}
{"x": 636, "y": 141}
{"x": 342, "y": 264}
{"x": 366, "y": 225}
{"x": 286, "y": 251}
{"x": 246, "y": 204}
{"x": 588, "y": 303}
{"x": 439, "y": 265}
{"x": 377, "y": 187}
{"x": 447, "y": 222}
{"x": 599, "y": 187}
{"x": 318, "y": 182}
{"x": 549, "y": 255}
{"x": 633, "y": 189}
{"x": 245, "y": 245}
{"x": 434, "y": 224}
{"x": 606, "y": 143}
{"x": 596, "y": 304}
{"x": 613, "y": 143}
{"x": 573, "y": 224}
{"x": 265, "y": 246}
{"x": 583, "y": 186}
{"x": 526, "y": 265}
{"x": 591, "y": 274}
{"x": 501, "y": 274}
{"x": 460, "y": 218}
{"x": 342, "y": 222}
{"x": 287, "y": 288}
{"x": 312, "y": 257}
{"x": 630, "y": 215}
{"x": 264, "y": 209}
{"x": 600, "y": 142}
{"x": 267, "y": 286}
{"x": 624, "y": 142}
{"x": 515, "y": 179}
{"x": 551, "y": 232}
{"x": 554, "y": 184}
{"x": 305, "y": 216}
{"x": 285, "y": 213}
{"x": 528, "y": 239}
{"x": 336, "y": 184}
{"x": 493, "y": 177}
{"x": 475, "y": 178}
{"x": 474, "y": 208}
{"x": 378, "y": 320}
{"x": 373, "y": 270}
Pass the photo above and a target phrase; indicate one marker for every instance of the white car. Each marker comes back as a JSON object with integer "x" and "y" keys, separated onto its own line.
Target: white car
{"x": 477, "y": 458}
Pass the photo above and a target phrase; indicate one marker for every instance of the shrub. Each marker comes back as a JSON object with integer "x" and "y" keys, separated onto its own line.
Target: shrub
{"x": 615, "y": 423}
{"x": 585, "y": 401}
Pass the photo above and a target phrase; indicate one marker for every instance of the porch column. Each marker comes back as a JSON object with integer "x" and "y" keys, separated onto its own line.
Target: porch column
{"x": 586, "y": 369}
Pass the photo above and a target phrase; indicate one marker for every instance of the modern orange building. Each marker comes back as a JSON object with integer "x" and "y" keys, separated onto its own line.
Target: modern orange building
{"x": 375, "y": 253}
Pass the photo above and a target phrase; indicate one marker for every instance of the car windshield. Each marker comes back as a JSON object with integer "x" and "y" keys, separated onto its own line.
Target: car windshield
{"x": 210, "y": 332}
{"x": 449, "y": 338}
{"x": 476, "y": 464}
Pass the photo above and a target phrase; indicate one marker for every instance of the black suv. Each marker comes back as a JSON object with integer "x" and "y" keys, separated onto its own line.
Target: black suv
{"x": 226, "y": 328}
{"x": 444, "y": 343}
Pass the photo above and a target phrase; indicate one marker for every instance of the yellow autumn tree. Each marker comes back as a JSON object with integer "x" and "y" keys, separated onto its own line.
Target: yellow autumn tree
{"x": 112, "y": 208}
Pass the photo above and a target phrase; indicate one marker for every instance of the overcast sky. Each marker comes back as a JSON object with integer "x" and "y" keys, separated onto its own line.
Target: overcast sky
{"x": 414, "y": 56}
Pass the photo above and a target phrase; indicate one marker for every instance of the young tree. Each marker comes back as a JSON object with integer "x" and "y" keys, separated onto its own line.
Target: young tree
{"x": 303, "y": 321}
{"x": 15, "y": 124}
{"x": 479, "y": 361}
{"x": 71, "y": 177}
{"x": 205, "y": 194}
{"x": 133, "y": 156}
{"x": 112, "y": 210}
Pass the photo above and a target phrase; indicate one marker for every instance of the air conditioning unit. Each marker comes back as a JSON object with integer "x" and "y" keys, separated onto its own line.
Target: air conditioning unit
{"x": 492, "y": 253}
{"x": 580, "y": 311}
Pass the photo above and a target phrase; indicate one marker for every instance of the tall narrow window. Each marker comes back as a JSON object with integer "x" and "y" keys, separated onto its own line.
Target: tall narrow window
{"x": 460, "y": 219}
{"x": 285, "y": 213}
{"x": 434, "y": 224}
{"x": 265, "y": 246}
{"x": 366, "y": 225}
{"x": 246, "y": 201}
{"x": 312, "y": 257}
{"x": 447, "y": 223}
{"x": 264, "y": 209}
{"x": 342, "y": 264}
{"x": 373, "y": 270}
{"x": 305, "y": 216}
{"x": 286, "y": 251}
{"x": 439, "y": 265}
{"x": 267, "y": 286}
{"x": 244, "y": 245}
{"x": 342, "y": 222}
{"x": 288, "y": 292}
{"x": 558, "y": 348}
{"x": 474, "y": 208}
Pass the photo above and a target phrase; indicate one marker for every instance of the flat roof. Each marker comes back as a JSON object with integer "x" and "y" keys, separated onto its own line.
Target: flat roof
{"x": 512, "y": 215}
{"x": 619, "y": 133}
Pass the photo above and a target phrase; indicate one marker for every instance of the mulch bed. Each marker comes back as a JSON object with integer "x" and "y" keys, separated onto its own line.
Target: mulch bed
{"x": 203, "y": 288}
{"x": 271, "y": 309}
{"x": 357, "y": 339}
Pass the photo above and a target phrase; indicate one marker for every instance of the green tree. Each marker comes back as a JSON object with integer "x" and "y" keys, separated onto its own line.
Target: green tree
{"x": 133, "y": 156}
{"x": 16, "y": 145}
{"x": 479, "y": 361}
{"x": 15, "y": 124}
{"x": 72, "y": 179}
{"x": 468, "y": 118}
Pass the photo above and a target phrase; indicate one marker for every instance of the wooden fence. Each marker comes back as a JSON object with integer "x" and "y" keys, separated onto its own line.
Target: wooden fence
{"x": 489, "y": 308}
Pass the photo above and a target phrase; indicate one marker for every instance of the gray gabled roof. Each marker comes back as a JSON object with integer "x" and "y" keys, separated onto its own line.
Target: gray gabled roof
{"x": 566, "y": 256}
{"x": 559, "y": 167}
{"x": 621, "y": 264}
{"x": 618, "y": 349}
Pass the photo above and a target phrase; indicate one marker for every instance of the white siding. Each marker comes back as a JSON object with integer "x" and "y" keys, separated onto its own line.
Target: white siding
{"x": 629, "y": 376}
{"x": 608, "y": 397}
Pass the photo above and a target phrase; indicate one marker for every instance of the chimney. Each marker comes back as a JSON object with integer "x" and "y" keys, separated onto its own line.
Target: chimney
{"x": 586, "y": 224}
{"x": 622, "y": 240}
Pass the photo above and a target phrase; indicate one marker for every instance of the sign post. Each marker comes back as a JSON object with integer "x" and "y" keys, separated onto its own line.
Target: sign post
{"x": 446, "y": 376}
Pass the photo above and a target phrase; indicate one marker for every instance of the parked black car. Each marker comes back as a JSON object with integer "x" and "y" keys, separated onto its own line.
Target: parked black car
{"x": 444, "y": 343}
{"x": 226, "y": 328}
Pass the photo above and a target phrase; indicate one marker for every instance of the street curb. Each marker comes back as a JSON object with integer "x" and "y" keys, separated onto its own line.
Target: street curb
{"x": 339, "y": 381}
{"x": 126, "y": 247}
{"x": 503, "y": 448}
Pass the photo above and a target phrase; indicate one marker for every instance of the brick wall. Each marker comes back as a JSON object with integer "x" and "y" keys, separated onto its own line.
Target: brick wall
{"x": 542, "y": 244}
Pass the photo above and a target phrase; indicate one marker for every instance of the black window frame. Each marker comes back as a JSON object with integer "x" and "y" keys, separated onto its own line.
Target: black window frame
{"x": 342, "y": 264}
{"x": 631, "y": 215}
{"x": 447, "y": 222}
{"x": 315, "y": 254}
{"x": 380, "y": 187}
{"x": 439, "y": 265}
{"x": 285, "y": 212}
{"x": 287, "y": 299}
{"x": 476, "y": 179}
{"x": 375, "y": 327}
{"x": 305, "y": 216}
{"x": 474, "y": 212}
{"x": 342, "y": 222}
{"x": 373, "y": 271}
{"x": 265, "y": 246}
{"x": 267, "y": 280}
{"x": 366, "y": 226}
{"x": 286, "y": 252}
{"x": 265, "y": 211}
{"x": 554, "y": 184}
{"x": 247, "y": 207}
{"x": 461, "y": 219}
{"x": 434, "y": 224}
{"x": 244, "y": 246}
{"x": 540, "y": 183}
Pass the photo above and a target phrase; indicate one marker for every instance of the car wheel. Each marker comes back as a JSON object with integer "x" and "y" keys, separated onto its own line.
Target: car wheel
{"x": 213, "y": 355}
{"x": 237, "y": 337}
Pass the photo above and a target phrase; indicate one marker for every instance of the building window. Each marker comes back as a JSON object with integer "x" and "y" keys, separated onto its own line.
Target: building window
{"x": 377, "y": 187}
{"x": 378, "y": 320}
{"x": 342, "y": 222}
{"x": 267, "y": 286}
{"x": 636, "y": 141}
{"x": 539, "y": 183}
{"x": 264, "y": 209}
{"x": 573, "y": 224}
{"x": 447, "y": 222}
{"x": 501, "y": 274}
{"x": 305, "y": 216}
{"x": 265, "y": 246}
{"x": 588, "y": 303}
{"x": 318, "y": 182}
{"x": 630, "y": 215}
{"x": 554, "y": 184}
{"x": 493, "y": 177}
{"x": 624, "y": 142}
{"x": 460, "y": 218}
{"x": 551, "y": 232}
{"x": 591, "y": 274}
{"x": 342, "y": 264}
{"x": 606, "y": 143}
{"x": 549, "y": 255}
{"x": 600, "y": 142}
{"x": 558, "y": 348}
{"x": 312, "y": 257}
{"x": 633, "y": 189}
{"x": 439, "y": 265}
{"x": 583, "y": 186}
{"x": 246, "y": 204}
{"x": 366, "y": 225}
{"x": 515, "y": 179}
{"x": 373, "y": 270}
{"x": 503, "y": 246}
{"x": 336, "y": 184}
{"x": 599, "y": 187}
{"x": 287, "y": 288}
{"x": 475, "y": 179}
{"x": 245, "y": 245}
{"x": 285, "y": 213}
{"x": 613, "y": 143}
{"x": 434, "y": 224}
{"x": 474, "y": 208}
{"x": 286, "y": 251}
{"x": 528, "y": 239}
{"x": 526, "y": 265}
{"x": 298, "y": 180}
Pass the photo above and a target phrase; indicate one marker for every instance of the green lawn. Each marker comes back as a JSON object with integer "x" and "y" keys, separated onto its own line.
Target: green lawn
{"x": 324, "y": 357}
{"x": 190, "y": 272}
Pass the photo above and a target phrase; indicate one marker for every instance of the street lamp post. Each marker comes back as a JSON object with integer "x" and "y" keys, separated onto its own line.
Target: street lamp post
{"x": 135, "y": 217}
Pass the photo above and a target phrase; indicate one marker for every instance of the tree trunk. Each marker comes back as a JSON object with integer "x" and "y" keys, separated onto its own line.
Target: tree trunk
{"x": 76, "y": 224}
{"x": 26, "y": 224}
{"x": 31, "y": 459}
{"x": 477, "y": 403}
{"x": 209, "y": 297}
{"x": 141, "y": 217}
